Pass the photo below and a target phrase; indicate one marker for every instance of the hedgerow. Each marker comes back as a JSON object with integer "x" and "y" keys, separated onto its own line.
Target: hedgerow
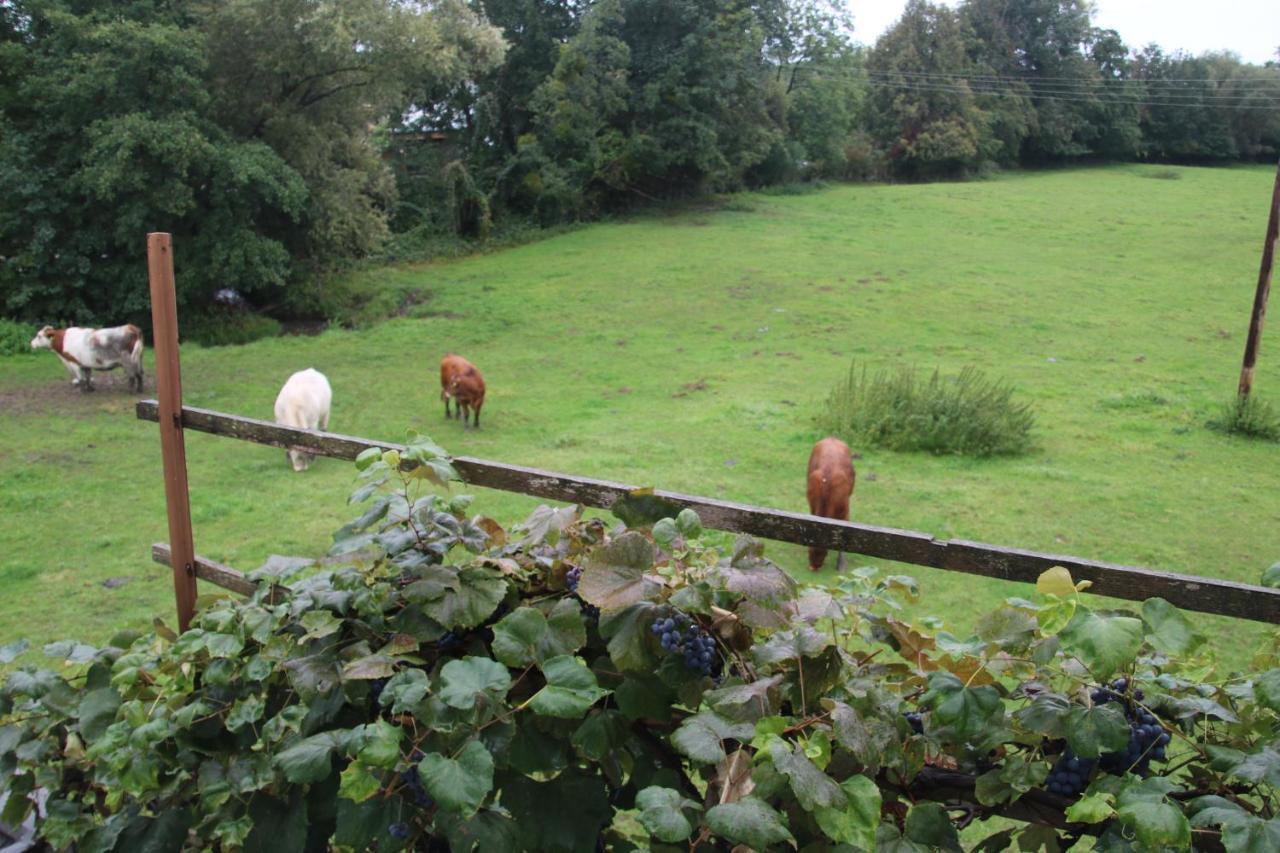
{"x": 437, "y": 682}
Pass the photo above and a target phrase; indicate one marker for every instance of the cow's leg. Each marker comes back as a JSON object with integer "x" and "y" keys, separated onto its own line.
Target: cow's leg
{"x": 840, "y": 561}
{"x": 86, "y": 379}
{"x": 476, "y": 418}
{"x": 466, "y": 413}
{"x": 323, "y": 424}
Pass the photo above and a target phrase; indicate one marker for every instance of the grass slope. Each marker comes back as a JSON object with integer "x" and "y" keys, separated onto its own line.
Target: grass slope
{"x": 692, "y": 351}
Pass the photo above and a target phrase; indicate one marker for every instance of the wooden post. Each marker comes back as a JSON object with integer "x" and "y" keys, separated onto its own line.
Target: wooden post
{"x": 164, "y": 321}
{"x": 1264, "y": 289}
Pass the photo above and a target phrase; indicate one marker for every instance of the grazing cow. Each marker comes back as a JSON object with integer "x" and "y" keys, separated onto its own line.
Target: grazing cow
{"x": 467, "y": 391}
{"x": 304, "y": 402}
{"x": 831, "y": 477}
{"x": 83, "y": 351}
{"x": 450, "y": 366}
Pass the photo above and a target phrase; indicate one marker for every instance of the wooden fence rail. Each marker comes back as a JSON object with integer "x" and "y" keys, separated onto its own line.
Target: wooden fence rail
{"x": 1190, "y": 592}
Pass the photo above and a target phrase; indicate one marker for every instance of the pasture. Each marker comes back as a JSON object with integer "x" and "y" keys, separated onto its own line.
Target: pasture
{"x": 691, "y": 351}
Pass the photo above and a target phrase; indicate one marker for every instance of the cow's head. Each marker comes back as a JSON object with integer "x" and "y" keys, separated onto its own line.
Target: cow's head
{"x": 43, "y": 338}
{"x": 300, "y": 459}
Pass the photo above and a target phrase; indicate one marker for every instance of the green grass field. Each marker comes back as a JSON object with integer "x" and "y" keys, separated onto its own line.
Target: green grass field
{"x": 691, "y": 351}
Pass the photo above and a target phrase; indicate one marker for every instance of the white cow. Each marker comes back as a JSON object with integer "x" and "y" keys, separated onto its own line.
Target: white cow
{"x": 304, "y": 402}
{"x": 83, "y": 351}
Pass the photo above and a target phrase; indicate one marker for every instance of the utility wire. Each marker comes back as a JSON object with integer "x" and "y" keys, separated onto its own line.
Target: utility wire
{"x": 1096, "y": 89}
{"x": 1014, "y": 78}
{"x": 1085, "y": 99}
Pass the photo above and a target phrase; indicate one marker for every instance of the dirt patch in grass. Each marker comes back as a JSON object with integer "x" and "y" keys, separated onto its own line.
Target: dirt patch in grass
{"x": 63, "y": 400}
{"x": 691, "y": 388}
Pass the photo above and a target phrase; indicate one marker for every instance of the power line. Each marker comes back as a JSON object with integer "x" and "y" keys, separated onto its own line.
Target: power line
{"x": 1100, "y": 99}
{"x": 1096, "y": 89}
{"x": 1014, "y": 78}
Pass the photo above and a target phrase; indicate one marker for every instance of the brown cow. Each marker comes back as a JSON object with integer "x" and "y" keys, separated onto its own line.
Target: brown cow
{"x": 831, "y": 477}
{"x": 450, "y": 366}
{"x": 467, "y": 390}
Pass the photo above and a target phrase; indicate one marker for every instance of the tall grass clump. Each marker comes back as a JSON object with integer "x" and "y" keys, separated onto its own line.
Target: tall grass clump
{"x": 15, "y": 338}
{"x": 1249, "y": 417}
{"x": 967, "y": 414}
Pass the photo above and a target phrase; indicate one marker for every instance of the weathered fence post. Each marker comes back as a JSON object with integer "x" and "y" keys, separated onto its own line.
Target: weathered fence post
{"x": 164, "y": 322}
{"x": 1264, "y": 288}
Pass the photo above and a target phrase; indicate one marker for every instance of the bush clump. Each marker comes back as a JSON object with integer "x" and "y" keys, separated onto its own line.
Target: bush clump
{"x": 1250, "y": 417}
{"x": 15, "y": 338}
{"x": 228, "y": 327}
{"x": 967, "y": 414}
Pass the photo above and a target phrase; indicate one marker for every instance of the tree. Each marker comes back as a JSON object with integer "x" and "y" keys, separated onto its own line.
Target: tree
{"x": 1042, "y": 44}
{"x": 242, "y": 127}
{"x": 651, "y": 99}
{"x": 105, "y": 135}
{"x": 312, "y": 77}
{"x": 923, "y": 112}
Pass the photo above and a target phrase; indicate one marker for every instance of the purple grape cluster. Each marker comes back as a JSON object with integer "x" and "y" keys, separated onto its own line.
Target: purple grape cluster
{"x": 414, "y": 789}
{"x": 398, "y": 831}
{"x": 571, "y": 579}
{"x": 915, "y": 721}
{"x": 1070, "y": 776}
{"x": 1147, "y": 737}
{"x": 681, "y": 635}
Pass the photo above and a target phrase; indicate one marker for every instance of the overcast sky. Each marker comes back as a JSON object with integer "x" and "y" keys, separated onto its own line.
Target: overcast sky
{"x": 1251, "y": 28}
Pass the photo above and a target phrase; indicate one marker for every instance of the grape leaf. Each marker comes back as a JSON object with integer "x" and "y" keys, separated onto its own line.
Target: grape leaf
{"x": 1266, "y": 689}
{"x": 308, "y": 759}
{"x": 465, "y": 682}
{"x": 1102, "y": 728}
{"x": 616, "y": 575}
{"x": 570, "y": 690}
{"x": 813, "y": 788}
{"x": 1169, "y": 630}
{"x": 749, "y": 821}
{"x": 662, "y": 812}
{"x": 359, "y": 783}
{"x": 699, "y": 737}
{"x": 927, "y": 823}
{"x": 1103, "y": 642}
{"x": 855, "y": 823}
{"x": 459, "y": 784}
{"x": 1154, "y": 821}
{"x": 526, "y": 636}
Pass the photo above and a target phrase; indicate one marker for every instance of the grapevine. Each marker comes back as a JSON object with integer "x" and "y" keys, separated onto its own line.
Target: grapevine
{"x": 575, "y": 686}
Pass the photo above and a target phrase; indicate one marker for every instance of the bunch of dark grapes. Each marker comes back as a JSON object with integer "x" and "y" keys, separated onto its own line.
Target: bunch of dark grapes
{"x": 1070, "y": 776}
{"x": 375, "y": 695}
{"x": 590, "y": 612}
{"x": 1147, "y": 738}
{"x": 412, "y": 783}
{"x": 398, "y": 831}
{"x": 449, "y": 642}
{"x": 915, "y": 721}
{"x": 681, "y": 635}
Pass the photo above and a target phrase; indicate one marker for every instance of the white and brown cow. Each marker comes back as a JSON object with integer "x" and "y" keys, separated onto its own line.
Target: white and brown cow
{"x": 83, "y": 351}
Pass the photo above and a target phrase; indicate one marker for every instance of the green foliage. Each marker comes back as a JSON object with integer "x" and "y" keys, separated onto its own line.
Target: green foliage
{"x": 223, "y": 327}
{"x": 15, "y": 338}
{"x": 432, "y": 683}
{"x": 1249, "y": 417}
{"x": 241, "y": 128}
{"x": 967, "y": 414}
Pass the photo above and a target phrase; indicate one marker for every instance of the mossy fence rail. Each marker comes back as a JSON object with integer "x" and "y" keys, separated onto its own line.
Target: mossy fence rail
{"x": 905, "y": 546}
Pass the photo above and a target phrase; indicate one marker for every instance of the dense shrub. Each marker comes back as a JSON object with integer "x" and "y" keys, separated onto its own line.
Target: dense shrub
{"x": 440, "y": 683}
{"x": 220, "y": 327}
{"x": 15, "y": 338}
{"x": 1249, "y": 417}
{"x": 967, "y": 414}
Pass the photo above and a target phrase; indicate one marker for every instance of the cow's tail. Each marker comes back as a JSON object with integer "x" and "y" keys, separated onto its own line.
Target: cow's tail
{"x": 135, "y": 351}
